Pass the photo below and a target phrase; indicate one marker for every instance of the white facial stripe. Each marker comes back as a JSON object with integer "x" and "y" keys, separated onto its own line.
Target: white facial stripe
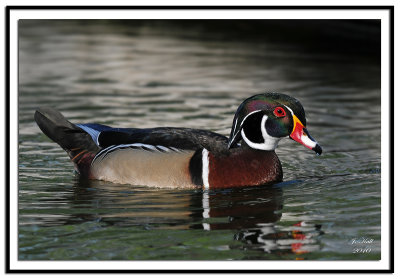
{"x": 289, "y": 109}
{"x": 205, "y": 170}
{"x": 270, "y": 143}
{"x": 305, "y": 139}
{"x": 248, "y": 116}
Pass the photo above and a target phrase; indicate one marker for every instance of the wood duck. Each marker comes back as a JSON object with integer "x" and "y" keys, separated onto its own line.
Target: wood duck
{"x": 184, "y": 157}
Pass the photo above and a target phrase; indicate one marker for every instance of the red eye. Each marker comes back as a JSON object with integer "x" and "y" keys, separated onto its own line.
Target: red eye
{"x": 279, "y": 112}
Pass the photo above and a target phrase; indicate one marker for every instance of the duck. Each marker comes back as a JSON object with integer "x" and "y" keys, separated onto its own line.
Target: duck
{"x": 175, "y": 157}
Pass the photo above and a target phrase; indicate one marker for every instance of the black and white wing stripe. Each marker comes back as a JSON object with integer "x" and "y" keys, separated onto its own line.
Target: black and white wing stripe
{"x": 102, "y": 154}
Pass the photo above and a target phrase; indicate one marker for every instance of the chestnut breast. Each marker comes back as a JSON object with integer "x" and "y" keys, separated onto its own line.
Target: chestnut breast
{"x": 244, "y": 167}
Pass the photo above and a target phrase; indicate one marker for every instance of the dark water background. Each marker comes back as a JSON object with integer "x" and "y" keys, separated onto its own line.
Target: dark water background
{"x": 195, "y": 74}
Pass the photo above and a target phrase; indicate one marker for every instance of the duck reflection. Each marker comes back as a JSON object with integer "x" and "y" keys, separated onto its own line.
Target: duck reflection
{"x": 238, "y": 208}
{"x": 298, "y": 239}
{"x": 209, "y": 210}
{"x": 250, "y": 213}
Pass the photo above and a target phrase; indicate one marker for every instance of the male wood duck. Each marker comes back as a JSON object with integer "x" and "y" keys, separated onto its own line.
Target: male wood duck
{"x": 184, "y": 157}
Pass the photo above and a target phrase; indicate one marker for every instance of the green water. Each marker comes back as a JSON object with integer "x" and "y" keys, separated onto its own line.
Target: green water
{"x": 145, "y": 74}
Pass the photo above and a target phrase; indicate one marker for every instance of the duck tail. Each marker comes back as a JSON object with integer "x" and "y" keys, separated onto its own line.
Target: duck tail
{"x": 76, "y": 142}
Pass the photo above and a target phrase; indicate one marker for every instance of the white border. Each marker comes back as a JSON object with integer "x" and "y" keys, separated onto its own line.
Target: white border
{"x": 197, "y": 14}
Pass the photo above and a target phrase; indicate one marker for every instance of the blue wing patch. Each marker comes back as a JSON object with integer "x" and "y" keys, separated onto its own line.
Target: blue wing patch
{"x": 94, "y": 130}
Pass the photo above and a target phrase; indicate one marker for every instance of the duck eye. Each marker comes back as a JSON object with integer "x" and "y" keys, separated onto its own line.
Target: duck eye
{"x": 279, "y": 112}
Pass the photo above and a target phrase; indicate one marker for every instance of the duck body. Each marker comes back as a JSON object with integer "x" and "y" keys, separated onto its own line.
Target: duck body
{"x": 169, "y": 157}
{"x": 172, "y": 166}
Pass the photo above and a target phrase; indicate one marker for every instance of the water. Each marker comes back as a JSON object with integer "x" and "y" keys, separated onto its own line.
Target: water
{"x": 146, "y": 74}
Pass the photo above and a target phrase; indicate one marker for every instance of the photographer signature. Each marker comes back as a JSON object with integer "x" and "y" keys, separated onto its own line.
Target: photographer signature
{"x": 361, "y": 244}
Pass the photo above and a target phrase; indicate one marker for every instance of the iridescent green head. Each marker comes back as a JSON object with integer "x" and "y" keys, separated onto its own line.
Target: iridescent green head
{"x": 263, "y": 119}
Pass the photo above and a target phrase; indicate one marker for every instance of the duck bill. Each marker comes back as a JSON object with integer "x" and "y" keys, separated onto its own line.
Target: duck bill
{"x": 301, "y": 135}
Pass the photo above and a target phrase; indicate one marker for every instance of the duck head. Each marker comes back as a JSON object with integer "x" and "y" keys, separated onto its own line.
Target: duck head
{"x": 264, "y": 119}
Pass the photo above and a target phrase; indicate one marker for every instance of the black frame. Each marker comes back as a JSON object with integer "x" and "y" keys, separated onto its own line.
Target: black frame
{"x": 7, "y": 131}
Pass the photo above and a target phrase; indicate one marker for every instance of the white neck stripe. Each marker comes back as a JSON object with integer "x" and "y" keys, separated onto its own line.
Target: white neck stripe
{"x": 205, "y": 171}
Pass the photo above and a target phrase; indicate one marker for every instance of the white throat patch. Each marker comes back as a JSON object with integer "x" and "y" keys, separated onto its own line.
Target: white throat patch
{"x": 270, "y": 143}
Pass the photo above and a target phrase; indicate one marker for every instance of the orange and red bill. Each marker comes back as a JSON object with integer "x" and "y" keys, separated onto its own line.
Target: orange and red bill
{"x": 301, "y": 135}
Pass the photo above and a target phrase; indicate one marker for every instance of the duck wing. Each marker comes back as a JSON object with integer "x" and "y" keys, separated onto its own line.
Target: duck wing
{"x": 169, "y": 137}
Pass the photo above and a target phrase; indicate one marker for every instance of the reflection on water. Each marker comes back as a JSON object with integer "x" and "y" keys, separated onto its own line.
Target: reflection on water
{"x": 195, "y": 74}
{"x": 251, "y": 213}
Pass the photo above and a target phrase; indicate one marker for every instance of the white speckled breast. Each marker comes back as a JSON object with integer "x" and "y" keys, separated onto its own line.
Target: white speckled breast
{"x": 143, "y": 167}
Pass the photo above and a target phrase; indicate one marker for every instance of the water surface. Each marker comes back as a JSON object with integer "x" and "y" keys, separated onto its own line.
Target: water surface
{"x": 146, "y": 74}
